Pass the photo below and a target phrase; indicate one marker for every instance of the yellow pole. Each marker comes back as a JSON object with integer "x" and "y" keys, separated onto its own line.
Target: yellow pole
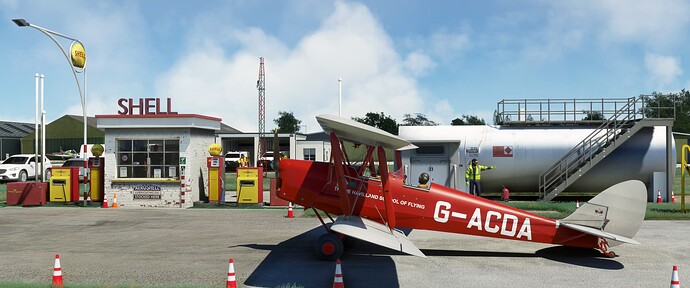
{"x": 683, "y": 170}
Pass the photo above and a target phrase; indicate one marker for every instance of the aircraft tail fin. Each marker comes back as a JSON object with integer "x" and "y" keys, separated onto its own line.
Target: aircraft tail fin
{"x": 614, "y": 214}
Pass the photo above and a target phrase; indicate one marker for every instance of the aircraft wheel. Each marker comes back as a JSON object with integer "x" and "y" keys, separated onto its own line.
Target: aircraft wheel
{"x": 328, "y": 247}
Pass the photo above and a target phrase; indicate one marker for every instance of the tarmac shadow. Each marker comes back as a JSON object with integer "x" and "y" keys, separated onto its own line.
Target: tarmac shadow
{"x": 586, "y": 257}
{"x": 293, "y": 262}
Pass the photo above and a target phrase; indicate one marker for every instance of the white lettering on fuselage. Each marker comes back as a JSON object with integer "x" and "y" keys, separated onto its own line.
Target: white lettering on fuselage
{"x": 366, "y": 194}
{"x": 489, "y": 223}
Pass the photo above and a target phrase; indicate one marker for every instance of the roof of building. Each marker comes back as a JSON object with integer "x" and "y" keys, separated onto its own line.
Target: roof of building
{"x": 227, "y": 129}
{"x": 318, "y": 136}
{"x": 15, "y": 129}
{"x": 91, "y": 121}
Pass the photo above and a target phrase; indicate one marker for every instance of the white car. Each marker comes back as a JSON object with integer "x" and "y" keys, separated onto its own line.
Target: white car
{"x": 21, "y": 167}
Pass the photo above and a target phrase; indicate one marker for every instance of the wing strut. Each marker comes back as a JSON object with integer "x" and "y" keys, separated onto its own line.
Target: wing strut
{"x": 337, "y": 153}
{"x": 387, "y": 197}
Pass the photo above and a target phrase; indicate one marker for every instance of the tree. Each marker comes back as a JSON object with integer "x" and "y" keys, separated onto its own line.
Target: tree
{"x": 660, "y": 106}
{"x": 287, "y": 123}
{"x": 379, "y": 120}
{"x": 592, "y": 115}
{"x": 418, "y": 120}
{"x": 467, "y": 120}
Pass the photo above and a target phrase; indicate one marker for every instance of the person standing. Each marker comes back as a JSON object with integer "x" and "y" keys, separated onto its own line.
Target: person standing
{"x": 473, "y": 176}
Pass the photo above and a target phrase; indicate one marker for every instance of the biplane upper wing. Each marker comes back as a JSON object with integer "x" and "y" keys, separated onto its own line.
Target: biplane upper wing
{"x": 376, "y": 233}
{"x": 356, "y": 132}
{"x": 384, "y": 235}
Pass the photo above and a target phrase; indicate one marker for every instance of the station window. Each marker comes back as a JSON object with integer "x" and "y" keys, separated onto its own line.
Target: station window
{"x": 148, "y": 158}
{"x": 310, "y": 154}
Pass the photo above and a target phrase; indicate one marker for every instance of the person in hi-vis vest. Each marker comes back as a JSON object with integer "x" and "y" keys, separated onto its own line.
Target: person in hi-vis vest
{"x": 473, "y": 176}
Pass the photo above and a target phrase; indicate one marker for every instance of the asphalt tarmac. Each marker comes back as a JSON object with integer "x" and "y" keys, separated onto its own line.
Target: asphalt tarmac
{"x": 166, "y": 247}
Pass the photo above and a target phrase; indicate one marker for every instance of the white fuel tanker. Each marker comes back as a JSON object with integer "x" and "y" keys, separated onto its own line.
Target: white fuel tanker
{"x": 521, "y": 154}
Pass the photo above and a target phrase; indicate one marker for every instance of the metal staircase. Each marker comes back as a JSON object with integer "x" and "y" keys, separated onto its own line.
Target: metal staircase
{"x": 611, "y": 134}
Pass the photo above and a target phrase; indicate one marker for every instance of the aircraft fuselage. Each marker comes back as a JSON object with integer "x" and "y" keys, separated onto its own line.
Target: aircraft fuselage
{"x": 313, "y": 184}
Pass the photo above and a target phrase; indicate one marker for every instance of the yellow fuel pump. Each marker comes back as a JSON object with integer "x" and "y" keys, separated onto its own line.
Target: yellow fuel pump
{"x": 216, "y": 174}
{"x": 683, "y": 171}
{"x": 250, "y": 185}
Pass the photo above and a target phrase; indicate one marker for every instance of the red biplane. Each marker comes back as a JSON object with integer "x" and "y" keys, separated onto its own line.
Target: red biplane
{"x": 372, "y": 206}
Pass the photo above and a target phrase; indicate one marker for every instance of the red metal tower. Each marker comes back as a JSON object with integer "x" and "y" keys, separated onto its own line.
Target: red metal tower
{"x": 261, "y": 86}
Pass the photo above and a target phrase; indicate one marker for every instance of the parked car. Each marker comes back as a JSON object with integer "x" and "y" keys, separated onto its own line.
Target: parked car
{"x": 22, "y": 167}
{"x": 267, "y": 161}
{"x": 75, "y": 162}
{"x": 232, "y": 159}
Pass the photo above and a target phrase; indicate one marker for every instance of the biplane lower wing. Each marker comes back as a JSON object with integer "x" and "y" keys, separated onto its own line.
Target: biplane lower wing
{"x": 375, "y": 233}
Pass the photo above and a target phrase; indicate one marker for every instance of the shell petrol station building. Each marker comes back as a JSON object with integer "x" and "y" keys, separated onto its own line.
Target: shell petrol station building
{"x": 156, "y": 156}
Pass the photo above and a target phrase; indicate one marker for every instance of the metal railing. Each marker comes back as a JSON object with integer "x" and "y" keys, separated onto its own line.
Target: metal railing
{"x": 559, "y": 111}
{"x": 617, "y": 123}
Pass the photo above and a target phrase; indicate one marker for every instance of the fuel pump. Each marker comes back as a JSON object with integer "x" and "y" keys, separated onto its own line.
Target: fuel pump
{"x": 96, "y": 168}
{"x": 216, "y": 174}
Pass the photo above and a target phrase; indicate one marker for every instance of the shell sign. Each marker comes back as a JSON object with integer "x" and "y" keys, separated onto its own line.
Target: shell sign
{"x": 215, "y": 149}
{"x": 78, "y": 55}
{"x": 97, "y": 150}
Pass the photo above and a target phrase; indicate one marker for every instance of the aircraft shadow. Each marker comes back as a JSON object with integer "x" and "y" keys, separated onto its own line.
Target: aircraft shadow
{"x": 585, "y": 257}
{"x": 293, "y": 262}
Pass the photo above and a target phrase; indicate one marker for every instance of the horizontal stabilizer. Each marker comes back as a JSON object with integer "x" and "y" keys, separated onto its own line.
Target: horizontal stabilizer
{"x": 375, "y": 233}
{"x": 599, "y": 233}
{"x": 616, "y": 212}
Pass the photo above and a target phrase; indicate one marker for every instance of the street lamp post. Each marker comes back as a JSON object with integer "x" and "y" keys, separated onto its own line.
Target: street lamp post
{"x": 71, "y": 62}
{"x": 77, "y": 63}
{"x": 340, "y": 96}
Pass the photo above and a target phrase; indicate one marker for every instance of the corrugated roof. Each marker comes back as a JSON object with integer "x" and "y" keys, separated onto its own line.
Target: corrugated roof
{"x": 91, "y": 121}
{"x": 15, "y": 129}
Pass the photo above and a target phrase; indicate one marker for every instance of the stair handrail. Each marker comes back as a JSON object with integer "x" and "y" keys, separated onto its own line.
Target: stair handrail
{"x": 609, "y": 130}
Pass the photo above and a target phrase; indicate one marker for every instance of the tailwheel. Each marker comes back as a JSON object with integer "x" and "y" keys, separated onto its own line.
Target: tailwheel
{"x": 604, "y": 249}
{"x": 329, "y": 247}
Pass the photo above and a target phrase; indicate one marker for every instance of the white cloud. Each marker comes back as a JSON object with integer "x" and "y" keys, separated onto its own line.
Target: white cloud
{"x": 663, "y": 70}
{"x": 650, "y": 23}
{"x": 419, "y": 64}
{"x": 350, "y": 43}
{"x": 448, "y": 44}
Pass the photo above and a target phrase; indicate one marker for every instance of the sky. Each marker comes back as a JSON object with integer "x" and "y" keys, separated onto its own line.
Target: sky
{"x": 443, "y": 59}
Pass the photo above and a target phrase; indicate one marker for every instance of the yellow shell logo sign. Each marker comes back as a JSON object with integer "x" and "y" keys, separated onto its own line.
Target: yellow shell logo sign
{"x": 78, "y": 55}
{"x": 215, "y": 149}
{"x": 97, "y": 150}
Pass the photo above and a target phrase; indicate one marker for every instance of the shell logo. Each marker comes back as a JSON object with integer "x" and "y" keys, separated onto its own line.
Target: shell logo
{"x": 78, "y": 55}
{"x": 97, "y": 150}
{"x": 215, "y": 149}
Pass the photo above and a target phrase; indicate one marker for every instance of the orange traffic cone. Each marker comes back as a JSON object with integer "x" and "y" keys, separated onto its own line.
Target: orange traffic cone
{"x": 105, "y": 201}
{"x": 675, "y": 282}
{"x": 290, "y": 213}
{"x": 338, "y": 279}
{"x": 114, "y": 201}
{"x": 673, "y": 197}
{"x": 577, "y": 204}
{"x": 57, "y": 273}
{"x": 658, "y": 196}
{"x": 232, "y": 282}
